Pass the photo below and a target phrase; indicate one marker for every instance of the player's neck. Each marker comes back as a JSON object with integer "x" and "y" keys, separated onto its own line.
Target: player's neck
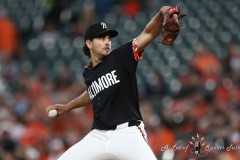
{"x": 96, "y": 63}
{"x": 95, "y": 60}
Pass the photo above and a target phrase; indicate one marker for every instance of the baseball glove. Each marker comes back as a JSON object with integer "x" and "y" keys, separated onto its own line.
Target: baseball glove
{"x": 171, "y": 26}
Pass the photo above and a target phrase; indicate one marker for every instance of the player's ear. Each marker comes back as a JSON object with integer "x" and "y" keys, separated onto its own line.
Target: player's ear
{"x": 88, "y": 43}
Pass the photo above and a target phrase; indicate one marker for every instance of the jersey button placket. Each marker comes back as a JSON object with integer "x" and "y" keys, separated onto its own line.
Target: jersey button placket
{"x": 99, "y": 101}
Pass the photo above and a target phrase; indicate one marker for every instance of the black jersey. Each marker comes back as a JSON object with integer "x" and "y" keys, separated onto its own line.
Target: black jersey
{"x": 112, "y": 86}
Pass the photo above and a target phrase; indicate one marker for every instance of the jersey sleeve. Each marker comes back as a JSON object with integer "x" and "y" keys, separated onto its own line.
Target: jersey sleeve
{"x": 127, "y": 55}
{"x": 137, "y": 56}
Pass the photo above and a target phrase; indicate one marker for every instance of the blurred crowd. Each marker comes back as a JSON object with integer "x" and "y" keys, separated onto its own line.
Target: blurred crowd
{"x": 207, "y": 102}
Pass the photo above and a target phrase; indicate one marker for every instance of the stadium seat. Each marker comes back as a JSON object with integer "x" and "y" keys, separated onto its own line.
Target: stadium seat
{"x": 215, "y": 23}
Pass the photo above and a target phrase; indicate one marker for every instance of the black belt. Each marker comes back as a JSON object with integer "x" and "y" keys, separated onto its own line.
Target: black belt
{"x": 130, "y": 124}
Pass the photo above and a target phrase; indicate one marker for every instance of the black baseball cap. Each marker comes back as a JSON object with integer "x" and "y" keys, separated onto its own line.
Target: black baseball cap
{"x": 98, "y": 29}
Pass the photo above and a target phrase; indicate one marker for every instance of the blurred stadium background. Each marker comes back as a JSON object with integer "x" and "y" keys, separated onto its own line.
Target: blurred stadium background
{"x": 190, "y": 88}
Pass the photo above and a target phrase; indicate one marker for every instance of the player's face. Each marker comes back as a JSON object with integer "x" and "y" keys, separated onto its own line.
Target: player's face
{"x": 101, "y": 46}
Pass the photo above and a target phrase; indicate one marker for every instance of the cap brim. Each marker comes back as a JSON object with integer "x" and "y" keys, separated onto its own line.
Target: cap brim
{"x": 112, "y": 33}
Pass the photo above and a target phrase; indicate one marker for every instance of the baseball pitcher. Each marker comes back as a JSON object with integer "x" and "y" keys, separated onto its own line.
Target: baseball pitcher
{"x": 110, "y": 77}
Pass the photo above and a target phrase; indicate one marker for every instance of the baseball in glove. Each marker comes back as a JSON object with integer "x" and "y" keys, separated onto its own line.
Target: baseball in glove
{"x": 171, "y": 26}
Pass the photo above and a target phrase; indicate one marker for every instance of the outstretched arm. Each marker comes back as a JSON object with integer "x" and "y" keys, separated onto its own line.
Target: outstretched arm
{"x": 152, "y": 30}
{"x": 81, "y": 101}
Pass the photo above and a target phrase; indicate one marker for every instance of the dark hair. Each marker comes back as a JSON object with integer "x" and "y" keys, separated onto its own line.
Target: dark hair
{"x": 86, "y": 50}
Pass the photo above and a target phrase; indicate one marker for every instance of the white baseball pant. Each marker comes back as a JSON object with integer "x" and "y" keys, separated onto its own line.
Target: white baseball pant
{"x": 123, "y": 143}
